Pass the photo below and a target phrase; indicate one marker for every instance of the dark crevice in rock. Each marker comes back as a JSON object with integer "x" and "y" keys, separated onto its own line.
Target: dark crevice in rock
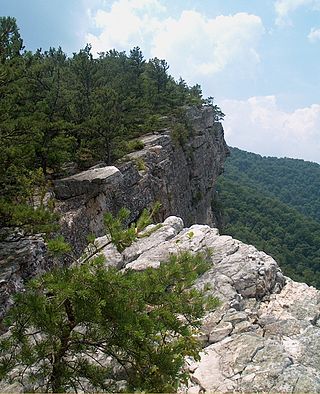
{"x": 170, "y": 177}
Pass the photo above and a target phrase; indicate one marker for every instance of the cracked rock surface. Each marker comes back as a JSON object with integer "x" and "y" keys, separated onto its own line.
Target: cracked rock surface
{"x": 20, "y": 257}
{"x": 265, "y": 336}
{"x": 181, "y": 177}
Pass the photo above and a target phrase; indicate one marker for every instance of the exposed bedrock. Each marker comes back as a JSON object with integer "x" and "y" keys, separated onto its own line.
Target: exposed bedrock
{"x": 265, "y": 336}
{"x": 181, "y": 177}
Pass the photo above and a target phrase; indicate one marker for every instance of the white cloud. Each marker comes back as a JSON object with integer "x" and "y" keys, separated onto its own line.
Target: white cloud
{"x": 284, "y": 7}
{"x": 193, "y": 44}
{"x": 314, "y": 35}
{"x": 259, "y": 125}
{"x": 126, "y": 24}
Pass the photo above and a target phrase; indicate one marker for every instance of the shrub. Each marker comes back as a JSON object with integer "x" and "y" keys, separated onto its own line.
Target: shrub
{"x": 69, "y": 321}
{"x": 179, "y": 134}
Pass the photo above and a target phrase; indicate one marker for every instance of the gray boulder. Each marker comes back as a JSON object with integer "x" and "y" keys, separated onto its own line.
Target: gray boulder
{"x": 181, "y": 177}
{"x": 89, "y": 183}
{"x": 265, "y": 336}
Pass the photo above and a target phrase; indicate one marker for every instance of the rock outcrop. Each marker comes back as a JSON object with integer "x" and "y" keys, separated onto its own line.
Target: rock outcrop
{"x": 181, "y": 176}
{"x": 265, "y": 336}
{"x": 21, "y": 257}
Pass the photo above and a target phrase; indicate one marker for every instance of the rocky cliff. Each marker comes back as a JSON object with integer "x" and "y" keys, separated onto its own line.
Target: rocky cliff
{"x": 265, "y": 336}
{"x": 181, "y": 175}
{"x": 21, "y": 257}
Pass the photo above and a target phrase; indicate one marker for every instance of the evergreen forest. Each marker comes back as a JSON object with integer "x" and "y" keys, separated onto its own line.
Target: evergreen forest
{"x": 61, "y": 114}
{"x": 274, "y": 204}
{"x": 87, "y": 108}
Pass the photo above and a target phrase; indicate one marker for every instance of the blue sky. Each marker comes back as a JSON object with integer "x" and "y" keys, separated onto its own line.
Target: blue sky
{"x": 260, "y": 59}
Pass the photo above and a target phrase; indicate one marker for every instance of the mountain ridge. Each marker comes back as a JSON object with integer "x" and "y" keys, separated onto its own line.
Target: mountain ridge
{"x": 264, "y": 337}
{"x": 306, "y": 175}
{"x": 253, "y": 194}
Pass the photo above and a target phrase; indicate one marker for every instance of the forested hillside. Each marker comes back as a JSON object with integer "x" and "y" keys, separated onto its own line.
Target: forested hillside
{"x": 58, "y": 111}
{"x": 60, "y": 115}
{"x": 274, "y": 204}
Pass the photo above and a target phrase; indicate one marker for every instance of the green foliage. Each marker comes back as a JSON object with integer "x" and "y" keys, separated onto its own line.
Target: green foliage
{"x": 179, "y": 134}
{"x": 218, "y": 114}
{"x": 147, "y": 217}
{"x": 140, "y": 164}
{"x": 123, "y": 236}
{"x": 155, "y": 122}
{"x": 84, "y": 158}
{"x": 294, "y": 182}
{"x": 91, "y": 238}
{"x": 55, "y": 110}
{"x": 273, "y": 204}
{"x": 58, "y": 246}
{"x": 67, "y": 322}
{"x": 31, "y": 220}
{"x": 134, "y": 145}
{"x": 190, "y": 234}
{"x": 150, "y": 231}
{"x": 22, "y": 202}
{"x": 116, "y": 227}
{"x": 10, "y": 40}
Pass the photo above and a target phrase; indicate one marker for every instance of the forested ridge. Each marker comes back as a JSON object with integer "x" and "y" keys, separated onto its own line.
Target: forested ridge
{"x": 274, "y": 204}
{"x": 90, "y": 327}
{"x": 86, "y": 326}
{"x": 56, "y": 110}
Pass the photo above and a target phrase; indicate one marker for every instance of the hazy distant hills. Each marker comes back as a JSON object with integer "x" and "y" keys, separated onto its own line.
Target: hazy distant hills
{"x": 274, "y": 204}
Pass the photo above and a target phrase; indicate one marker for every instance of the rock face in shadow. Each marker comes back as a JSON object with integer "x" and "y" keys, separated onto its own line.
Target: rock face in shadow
{"x": 181, "y": 176}
{"x": 265, "y": 336}
{"x": 21, "y": 257}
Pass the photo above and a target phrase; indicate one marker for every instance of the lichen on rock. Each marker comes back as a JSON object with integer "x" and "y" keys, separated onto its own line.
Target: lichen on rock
{"x": 265, "y": 335}
{"x": 180, "y": 177}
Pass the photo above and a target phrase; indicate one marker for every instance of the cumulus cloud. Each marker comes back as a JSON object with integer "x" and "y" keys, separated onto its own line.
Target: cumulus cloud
{"x": 259, "y": 125}
{"x": 314, "y": 35}
{"x": 207, "y": 46}
{"x": 127, "y": 24}
{"x": 284, "y": 7}
{"x": 193, "y": 44}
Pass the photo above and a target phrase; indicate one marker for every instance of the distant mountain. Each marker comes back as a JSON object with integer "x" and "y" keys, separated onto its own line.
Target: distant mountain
{"x": 274, "y": 204}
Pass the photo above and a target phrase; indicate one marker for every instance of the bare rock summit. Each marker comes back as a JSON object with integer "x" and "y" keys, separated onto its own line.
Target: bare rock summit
{"x": 265, "y": 336}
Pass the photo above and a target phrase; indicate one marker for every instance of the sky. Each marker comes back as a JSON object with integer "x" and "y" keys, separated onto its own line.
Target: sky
{"x": 259, "y": 59}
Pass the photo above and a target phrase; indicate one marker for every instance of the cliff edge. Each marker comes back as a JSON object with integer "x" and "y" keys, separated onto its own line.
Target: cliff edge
{"x": 181, "y": 174}
{"x": 265, "y": 336}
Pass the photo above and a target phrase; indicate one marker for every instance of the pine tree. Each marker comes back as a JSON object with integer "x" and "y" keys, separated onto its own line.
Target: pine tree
{"x": 10, "y": 41}
{"x": 70, "y": 322}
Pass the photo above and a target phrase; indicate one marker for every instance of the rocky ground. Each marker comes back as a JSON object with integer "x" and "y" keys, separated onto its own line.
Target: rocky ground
{"x": 265, "y": 336}
{"x": 181, "y": 176}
